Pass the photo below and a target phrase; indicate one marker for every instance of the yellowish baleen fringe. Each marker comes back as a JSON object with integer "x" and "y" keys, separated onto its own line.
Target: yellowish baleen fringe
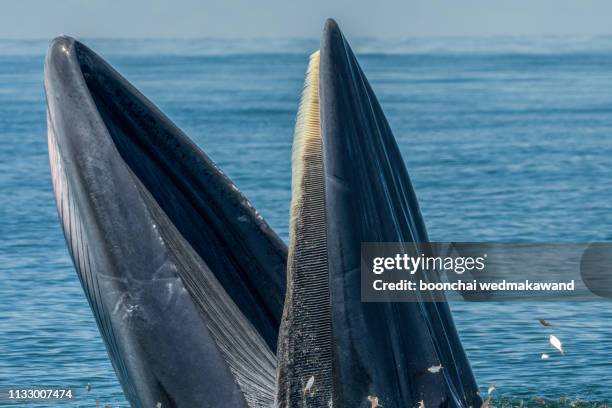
{"x": 305, "y": 349}
{"x": 306, "y": 142}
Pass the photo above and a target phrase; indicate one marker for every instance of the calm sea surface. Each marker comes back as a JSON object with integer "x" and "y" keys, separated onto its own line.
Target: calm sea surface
{"x": 506, "y": 139}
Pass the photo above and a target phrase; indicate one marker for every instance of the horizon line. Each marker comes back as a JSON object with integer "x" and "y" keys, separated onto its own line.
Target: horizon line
{"x": 310, "y": 38}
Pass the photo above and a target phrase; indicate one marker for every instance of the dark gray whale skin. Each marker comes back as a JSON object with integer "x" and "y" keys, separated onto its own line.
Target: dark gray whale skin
{"x": 379, "y": 349}
{"x": 174, "y": 261}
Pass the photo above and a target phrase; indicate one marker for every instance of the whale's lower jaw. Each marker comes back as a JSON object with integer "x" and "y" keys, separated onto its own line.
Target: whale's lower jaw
{"x": 158, "y": 236}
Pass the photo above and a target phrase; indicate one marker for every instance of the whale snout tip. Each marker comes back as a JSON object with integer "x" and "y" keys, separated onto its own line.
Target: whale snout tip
{"x": 331, "y": 38}
{"x": 63, "y": 37}
{"x": 331, "y": 23}
{"x": 331, "y": 26}
{"x": 60, "y": 47}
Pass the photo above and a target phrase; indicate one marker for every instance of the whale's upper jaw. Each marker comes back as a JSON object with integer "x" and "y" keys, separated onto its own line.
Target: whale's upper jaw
{"x": 185, "y": 279}
{"x": 378, "y": 350}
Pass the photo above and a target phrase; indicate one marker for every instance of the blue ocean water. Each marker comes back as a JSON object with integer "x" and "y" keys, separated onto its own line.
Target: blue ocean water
{"x": 506, "y": 139}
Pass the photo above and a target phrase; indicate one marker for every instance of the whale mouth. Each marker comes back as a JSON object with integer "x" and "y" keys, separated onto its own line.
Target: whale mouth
{"x": 190, "y": 288}
{"x": 184, "y": 277}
